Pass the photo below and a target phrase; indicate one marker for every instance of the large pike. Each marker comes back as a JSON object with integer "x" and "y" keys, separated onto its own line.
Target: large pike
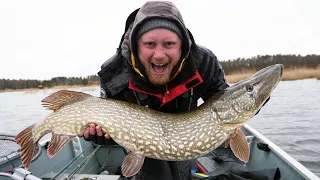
{"x": 149, "y": 133}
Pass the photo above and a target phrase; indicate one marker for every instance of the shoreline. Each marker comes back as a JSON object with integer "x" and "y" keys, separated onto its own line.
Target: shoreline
{"x": 288, "y": 75}
{"x": 88, "y": 87}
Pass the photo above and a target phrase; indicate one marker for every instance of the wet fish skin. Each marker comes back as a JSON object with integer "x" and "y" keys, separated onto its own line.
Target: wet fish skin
{"x": 151, "y": 133}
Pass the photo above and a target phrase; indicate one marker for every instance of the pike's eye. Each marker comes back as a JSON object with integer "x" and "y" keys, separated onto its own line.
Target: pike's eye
{"x": 249, "y": 88}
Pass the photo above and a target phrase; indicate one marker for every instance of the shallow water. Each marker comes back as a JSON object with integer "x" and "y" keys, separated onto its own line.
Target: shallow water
{"x": 291, "y": 119}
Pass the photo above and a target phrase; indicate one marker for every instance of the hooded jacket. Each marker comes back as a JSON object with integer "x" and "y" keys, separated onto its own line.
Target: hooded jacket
{"x": 197, "y": 75}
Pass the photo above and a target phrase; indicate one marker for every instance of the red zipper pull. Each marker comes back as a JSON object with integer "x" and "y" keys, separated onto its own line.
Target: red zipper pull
{"x": 167, "y": 91}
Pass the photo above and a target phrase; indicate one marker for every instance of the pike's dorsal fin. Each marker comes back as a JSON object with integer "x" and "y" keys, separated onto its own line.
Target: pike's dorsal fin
{"x": 239, "y": 145}
{"x": 61, "y": 98}
{"x": 132, "y": 164}
{"x": 57, "y": 142}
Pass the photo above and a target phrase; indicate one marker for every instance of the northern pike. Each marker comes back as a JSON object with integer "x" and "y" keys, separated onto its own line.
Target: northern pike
{"x": 146, "y": 132}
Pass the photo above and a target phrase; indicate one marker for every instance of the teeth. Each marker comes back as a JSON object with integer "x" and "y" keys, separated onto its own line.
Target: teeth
{"x": 163, "y": 64}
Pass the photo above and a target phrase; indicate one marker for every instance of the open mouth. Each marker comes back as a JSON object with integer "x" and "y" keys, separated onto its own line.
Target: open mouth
{"x": 159, "y": 68}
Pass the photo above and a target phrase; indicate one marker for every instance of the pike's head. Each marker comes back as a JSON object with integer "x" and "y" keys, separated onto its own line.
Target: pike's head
{"x": 244, "y": 99}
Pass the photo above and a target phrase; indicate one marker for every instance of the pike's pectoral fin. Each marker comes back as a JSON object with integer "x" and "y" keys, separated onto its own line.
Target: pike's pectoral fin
{"x": 24, "y": 140}
{"x": 61, "y": 98}
{"x": 226, "y": 143}
{"x": 132, "y": 163}
{"x": 57, "y": 142}
{"x": 239, "y": 145}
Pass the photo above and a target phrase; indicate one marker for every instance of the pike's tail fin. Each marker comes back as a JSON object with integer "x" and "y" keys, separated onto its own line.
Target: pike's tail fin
{"x": 25, "y": 141}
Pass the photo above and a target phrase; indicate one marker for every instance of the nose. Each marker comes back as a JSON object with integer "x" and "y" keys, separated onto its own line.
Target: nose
{"x": 159, "y": 53}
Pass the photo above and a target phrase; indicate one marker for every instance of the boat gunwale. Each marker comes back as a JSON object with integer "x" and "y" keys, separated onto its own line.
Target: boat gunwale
{"x": 297, "y": 166}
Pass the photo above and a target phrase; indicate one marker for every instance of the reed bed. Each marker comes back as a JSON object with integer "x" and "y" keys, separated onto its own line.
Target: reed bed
{"x": 288, "y": 74}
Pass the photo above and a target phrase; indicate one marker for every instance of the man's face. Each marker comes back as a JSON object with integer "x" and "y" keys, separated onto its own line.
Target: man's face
{"x": 159, "y": 50}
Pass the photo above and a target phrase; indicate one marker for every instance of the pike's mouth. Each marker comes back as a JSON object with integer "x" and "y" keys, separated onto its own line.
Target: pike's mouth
{"x": 159, "y": 68}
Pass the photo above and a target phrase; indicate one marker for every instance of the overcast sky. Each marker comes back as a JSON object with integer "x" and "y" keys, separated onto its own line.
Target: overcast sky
{"x": 44, "y": 39}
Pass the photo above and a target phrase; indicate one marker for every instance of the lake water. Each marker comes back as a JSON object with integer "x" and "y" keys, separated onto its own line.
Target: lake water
{"x": 291, "y": 119}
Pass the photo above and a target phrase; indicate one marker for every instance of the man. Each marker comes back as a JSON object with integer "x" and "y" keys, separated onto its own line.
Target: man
{"x": 159, "y": 65}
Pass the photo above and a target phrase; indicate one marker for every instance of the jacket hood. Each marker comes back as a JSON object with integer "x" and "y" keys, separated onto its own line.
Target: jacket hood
{"x": 152, "y": 9}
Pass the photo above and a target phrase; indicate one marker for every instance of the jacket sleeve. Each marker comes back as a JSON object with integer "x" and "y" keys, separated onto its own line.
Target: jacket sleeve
{"x": 212, "y": 73}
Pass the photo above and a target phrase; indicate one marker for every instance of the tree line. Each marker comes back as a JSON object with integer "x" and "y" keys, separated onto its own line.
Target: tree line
{"x": 230, "y": 66}
{"x": 56, "y": 81}
{"x": 258, "y": 62}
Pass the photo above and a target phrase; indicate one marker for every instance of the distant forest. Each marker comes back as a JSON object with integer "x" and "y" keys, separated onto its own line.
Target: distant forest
{"x": 258, "y": 62}
{"x": 230, "y": 67}
{"x": 56, "y": 81}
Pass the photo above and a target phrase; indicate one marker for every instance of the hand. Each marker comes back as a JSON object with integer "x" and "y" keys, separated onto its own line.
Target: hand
{"x": 94, "y": 133}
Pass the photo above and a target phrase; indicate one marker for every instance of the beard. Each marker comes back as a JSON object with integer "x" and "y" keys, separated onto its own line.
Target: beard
{"x": 157, "y": 81}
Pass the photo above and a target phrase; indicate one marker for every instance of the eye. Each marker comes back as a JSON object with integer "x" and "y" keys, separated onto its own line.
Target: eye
{"x": 249, "y": 87}
{"x": 169, "y": 44}
{"x": 149, "y": 44}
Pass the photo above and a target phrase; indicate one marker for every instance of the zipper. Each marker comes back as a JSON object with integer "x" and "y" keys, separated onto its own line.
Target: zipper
{"x": 179, "y": 170}
{"x": 190, "y": 98}
{"x": 137, "y": 98}
{"x": 167, "y": 90}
